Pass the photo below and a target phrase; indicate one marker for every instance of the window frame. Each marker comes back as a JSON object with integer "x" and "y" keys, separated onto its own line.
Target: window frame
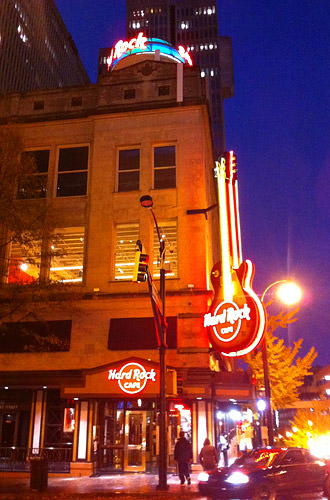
{"x": 65, "y": 172}
{"x": 168, "y": 167}
{"x": 116, "y": 240}
{"x": 155, "y": 246}
{"x": 38, "y": 174}
{"x": 31, "y": 257}
{"x": 67, "y": 230}
{"x": 118, "y": 171}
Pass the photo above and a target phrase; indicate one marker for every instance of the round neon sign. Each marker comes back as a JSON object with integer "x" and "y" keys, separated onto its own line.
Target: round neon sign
{"x": 132, "y": 377}
{"x": 141, "y": 44}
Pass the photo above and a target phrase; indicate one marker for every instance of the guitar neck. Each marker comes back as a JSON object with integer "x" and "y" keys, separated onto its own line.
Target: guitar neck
{"x": 226, "y": 261}
{"x": 230, "y": 232}
{"x": 234, "y": 230}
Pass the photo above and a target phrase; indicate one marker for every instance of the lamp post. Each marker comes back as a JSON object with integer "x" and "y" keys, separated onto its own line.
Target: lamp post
{"x": 146, "y": 202}
{"x": 289, "y": 293}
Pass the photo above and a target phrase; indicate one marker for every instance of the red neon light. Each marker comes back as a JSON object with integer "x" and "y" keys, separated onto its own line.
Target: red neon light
{"x": 185, "y": 54}
{"x": 121, "y": 47}
{"x": 236, "y": 319}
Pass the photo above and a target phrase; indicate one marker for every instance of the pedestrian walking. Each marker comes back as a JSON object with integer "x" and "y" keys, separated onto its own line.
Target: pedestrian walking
{"x": 208, "y": 456}
{"x": 223, "y": 448}
{"x": 183, "y": 456}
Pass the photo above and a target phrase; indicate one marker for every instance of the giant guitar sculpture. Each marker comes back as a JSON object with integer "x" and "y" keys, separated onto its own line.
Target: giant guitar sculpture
{"x": 236, "y": 319}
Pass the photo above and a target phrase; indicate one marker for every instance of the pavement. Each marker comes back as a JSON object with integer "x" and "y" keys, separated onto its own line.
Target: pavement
{"x": 120, "y": 486}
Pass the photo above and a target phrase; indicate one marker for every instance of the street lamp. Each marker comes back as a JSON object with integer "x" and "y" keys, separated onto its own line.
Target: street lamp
{"x": 289, "y": 293}
{"x": 147, "y": 202}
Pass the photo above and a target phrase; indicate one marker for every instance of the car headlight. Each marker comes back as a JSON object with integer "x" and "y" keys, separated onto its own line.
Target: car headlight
{"x": 203, "y": 477}
{"x": 237, "y": 478}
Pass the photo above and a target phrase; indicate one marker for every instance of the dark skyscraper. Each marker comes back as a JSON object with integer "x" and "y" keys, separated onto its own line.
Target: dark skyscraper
{"x": 36, "y": 50}
{"x": 194, "y": 24}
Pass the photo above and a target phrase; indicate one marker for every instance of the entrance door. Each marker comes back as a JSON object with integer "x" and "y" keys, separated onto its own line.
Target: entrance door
{"x": 135, "y": 441}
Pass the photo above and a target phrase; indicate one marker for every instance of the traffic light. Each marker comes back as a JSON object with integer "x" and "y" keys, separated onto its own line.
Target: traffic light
{"x": 140, "y": 271}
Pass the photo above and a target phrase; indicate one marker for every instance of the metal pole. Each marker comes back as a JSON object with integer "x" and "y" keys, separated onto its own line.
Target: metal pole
{"x": 268, "y": 395}
{"x": 162, "y": 383}
{"x": 269, "y": 411}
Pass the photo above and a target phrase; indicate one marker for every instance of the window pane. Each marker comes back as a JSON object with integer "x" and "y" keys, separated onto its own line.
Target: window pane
{"x": 35, "y": 336}
{"x": 36, "y": 184}
{"x": 129, "y": 159}
{"x": 126, "y": 237}
{"x": 165, "y": 178}
{"x": 67, "y": 255}
{"x": 164, "y": 167}
{"x": 24, "y": 263}
{"x": 41, "y": 158}
{"x": 164, "y": 156}
{"x": 73, "y": 159}
{"x": 72, "y": 184}
{"x": 128, "y": 181}
{"x": 168, "y": 231}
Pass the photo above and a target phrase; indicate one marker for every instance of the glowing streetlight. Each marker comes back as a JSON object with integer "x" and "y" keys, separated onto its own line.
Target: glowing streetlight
{"x": 289, "y": 293}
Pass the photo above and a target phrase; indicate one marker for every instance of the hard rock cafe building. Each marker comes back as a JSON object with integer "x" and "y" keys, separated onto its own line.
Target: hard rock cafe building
{"x": 79, "y": 375}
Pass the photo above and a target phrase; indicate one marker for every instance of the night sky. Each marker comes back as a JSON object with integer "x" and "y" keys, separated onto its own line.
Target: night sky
{"x": 279, "y": 126}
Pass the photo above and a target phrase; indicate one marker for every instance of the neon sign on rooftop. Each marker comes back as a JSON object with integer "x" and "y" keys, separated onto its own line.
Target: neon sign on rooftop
{"x": 142, "y": 44}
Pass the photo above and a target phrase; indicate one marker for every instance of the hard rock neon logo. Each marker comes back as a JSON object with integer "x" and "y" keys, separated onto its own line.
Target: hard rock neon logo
{"x": 142, "y": 44}
{"x": 132, "y": 377}
{"x": 122, "y": 47}
{"x": 226, "y": 320}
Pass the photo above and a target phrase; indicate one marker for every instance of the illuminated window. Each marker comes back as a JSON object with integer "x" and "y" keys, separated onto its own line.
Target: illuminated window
{"x": 67, "y": 255}
{"x": 36, "y": 185}
{"x": 168, "y": 232}
{"x": 69, "y": 420}
{"x": 164, "y": 167}
{"x": 72, "y": 171}
{"x": 128, "y": 170}
{"x": 126, "y": 237}
{"x": 24, "y": 263}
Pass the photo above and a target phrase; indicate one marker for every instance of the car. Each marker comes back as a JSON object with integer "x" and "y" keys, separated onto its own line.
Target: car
{"x": 266, "y": 473}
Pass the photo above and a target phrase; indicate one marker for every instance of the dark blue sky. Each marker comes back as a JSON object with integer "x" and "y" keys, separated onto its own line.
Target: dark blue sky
{"x": 278, "y": 123}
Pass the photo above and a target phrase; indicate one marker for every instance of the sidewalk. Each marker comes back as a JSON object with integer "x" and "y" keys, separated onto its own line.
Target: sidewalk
{"x": 121, "y": 486}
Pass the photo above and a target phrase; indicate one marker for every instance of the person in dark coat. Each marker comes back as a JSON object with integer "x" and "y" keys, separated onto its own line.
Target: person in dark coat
{"x": 208, "y": 456}
{"x": 183, "y": 456}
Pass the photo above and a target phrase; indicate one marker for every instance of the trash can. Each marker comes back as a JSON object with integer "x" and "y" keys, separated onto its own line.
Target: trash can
{"x": 38, "y": 473}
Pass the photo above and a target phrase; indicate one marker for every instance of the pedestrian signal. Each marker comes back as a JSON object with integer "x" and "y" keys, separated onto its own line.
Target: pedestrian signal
{"x": 140, "y": 272}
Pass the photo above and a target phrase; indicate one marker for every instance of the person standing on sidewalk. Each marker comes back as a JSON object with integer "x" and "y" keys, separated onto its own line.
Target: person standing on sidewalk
{"x": 208, "y": 456}
{"x": 183, "y": 456}
{"x": 223, "y": 448}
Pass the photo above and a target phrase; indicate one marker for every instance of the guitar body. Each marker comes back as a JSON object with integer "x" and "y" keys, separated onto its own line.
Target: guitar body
{"x": 236, "y": 319}
{"x": 234, "y": 325}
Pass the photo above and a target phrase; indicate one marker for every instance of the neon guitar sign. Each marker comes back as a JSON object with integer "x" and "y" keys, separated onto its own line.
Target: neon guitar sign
{"x": 236, "y": 319}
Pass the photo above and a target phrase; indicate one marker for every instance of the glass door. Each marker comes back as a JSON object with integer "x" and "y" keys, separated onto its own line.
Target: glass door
{"x": 135, "y": 441}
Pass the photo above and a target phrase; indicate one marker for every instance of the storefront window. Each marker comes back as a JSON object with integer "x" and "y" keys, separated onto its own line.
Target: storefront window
{"x": 69, "y": 420}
